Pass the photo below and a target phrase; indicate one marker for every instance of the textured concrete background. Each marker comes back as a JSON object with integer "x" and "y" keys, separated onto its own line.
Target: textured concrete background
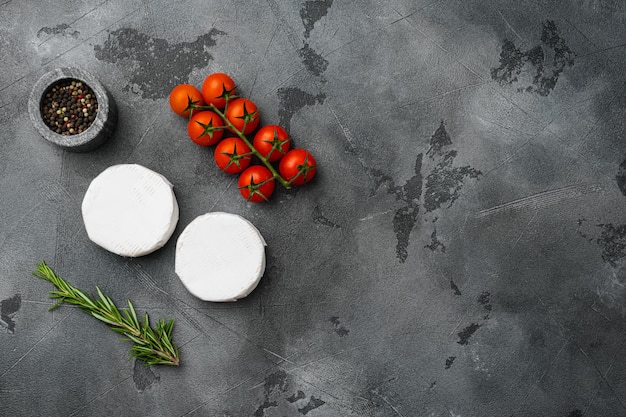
{"x": 462, "y": 251}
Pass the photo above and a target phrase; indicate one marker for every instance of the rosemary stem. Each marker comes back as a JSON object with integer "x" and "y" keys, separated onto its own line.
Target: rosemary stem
{"x": 151, "y": 346}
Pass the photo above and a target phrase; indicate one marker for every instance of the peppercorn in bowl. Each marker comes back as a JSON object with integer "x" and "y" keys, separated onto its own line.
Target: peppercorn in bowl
{"x": 70, "y": 108}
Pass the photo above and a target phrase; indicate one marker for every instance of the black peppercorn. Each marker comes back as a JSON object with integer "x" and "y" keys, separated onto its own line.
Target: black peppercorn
{"x": 69, "y": 107}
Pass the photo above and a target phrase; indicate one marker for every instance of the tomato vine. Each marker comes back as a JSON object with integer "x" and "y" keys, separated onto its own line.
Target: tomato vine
{"x": 216, "y": 110}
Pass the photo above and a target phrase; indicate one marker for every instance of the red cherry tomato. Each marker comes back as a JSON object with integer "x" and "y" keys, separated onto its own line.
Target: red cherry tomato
{"x": 216, "y": 88}
{"x": 272, "y": 141}
{"x": 298, "y": 166}
{"x": 204, "y": 128}
{"x": 242, "y": 112}
{"x": 256, "y": 183}
{"x": 232, "y": 155}
{"x": 183, "y": 97}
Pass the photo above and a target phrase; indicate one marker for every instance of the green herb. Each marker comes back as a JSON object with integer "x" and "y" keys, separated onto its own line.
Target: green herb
{"x": 152, "y": 346}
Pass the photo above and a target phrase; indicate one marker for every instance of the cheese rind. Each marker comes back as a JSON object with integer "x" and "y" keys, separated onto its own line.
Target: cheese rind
{"x": 130, "y": 210}
{"x": 220, "y": 257}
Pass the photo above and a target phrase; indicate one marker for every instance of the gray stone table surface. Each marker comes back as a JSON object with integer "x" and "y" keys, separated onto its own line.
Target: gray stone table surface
{"x": 461, "y": 252}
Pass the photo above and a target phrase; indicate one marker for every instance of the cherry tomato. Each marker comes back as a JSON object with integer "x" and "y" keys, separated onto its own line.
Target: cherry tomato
{"x": 272, "y": 141}
{"x": 243, "y": 111}
{"x": 256, "y": 183}
{"x": 298, "y": 166}
{"x": 183, "y": 97}
{"x": 204, "y": 128}
{"x": 216, "y": 88}
{"x": 232, "y": 155}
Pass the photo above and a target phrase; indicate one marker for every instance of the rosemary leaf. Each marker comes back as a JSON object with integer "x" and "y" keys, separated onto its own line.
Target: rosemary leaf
{"x": 150, "y": 346}
{"x": 102, "y": 318}
{"x": 132, "y": 315}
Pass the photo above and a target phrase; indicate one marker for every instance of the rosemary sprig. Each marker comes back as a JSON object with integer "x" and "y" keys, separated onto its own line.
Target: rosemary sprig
{"x": 152, "y": 346}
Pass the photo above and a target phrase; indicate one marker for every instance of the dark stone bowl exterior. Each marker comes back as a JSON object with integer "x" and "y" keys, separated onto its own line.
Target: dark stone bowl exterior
{"x": 101, "y": 128}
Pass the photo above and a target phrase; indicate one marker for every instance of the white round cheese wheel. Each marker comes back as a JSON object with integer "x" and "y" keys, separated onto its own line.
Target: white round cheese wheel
{"x": 130, "y": 210}
{"x": 220, "y": 257}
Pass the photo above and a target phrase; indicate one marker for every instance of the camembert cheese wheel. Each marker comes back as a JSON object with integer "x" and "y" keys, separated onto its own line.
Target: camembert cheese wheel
{"x": 220, "y": 257}
{"x": 130, "y": 210}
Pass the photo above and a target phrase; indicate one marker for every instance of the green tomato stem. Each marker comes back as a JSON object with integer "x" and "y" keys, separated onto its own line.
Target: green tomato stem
{"x": 255, "y": 152}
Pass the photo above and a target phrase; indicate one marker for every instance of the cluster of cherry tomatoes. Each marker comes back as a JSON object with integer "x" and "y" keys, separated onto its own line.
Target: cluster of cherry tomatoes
{"x": 217, "y": 116}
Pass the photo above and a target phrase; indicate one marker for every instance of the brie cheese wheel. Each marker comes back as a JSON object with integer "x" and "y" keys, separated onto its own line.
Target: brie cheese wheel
{"x": 130, "y": 210}
{"x": 220, "y": 257}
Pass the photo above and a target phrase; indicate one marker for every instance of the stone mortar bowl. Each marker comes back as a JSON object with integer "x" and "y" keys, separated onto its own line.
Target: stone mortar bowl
{"x": 101, "y": 128}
